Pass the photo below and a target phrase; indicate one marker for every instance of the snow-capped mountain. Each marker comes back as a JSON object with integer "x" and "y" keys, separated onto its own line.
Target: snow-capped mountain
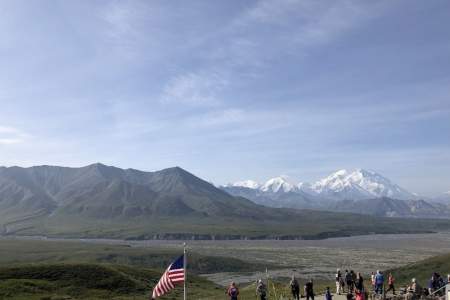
{"x": 343, "y": 184}
{"x": 277, "y": 184}
{"x": 274, "y": 185}
{"x": 358, "y": 190}
{"x": 279, "y": 191}
{"x": 359, "y": 184}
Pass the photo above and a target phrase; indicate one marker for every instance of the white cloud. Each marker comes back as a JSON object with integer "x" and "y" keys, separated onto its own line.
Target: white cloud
{"x": 10, "y": 141}
{"x": 11, "y": 135}
{"x": 194, "y": 89}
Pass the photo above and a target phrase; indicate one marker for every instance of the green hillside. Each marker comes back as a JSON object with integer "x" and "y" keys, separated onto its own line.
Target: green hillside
{"x": 113, "y": 282}
{"x": 91, "y": 281}
{"x": 422, "y": 270}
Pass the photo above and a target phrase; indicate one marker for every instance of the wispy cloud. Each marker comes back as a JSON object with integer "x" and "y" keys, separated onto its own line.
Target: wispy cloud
{"x": 295, "y": 26}
{"x": 194, "y": 89}
{"x": 125, "y": 29}
{"x": 11, "y": 135}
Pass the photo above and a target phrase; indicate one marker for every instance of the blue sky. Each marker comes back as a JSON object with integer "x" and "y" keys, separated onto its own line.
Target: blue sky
{"x": 230, "y": 90}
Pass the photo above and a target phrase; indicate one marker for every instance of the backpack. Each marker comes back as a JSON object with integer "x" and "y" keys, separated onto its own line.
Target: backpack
{"x": 379, "y": 278}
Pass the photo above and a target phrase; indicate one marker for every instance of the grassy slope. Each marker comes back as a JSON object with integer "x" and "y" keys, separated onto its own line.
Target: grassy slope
{"x": 422, "y": 270}
{"x": 91, "y": 281}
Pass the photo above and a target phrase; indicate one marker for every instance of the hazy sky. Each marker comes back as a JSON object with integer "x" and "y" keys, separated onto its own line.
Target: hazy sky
{"x": 230, "y": 90}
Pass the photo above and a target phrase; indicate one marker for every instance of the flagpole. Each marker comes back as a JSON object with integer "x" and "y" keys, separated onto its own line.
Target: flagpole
{"x": 185, "y": 271}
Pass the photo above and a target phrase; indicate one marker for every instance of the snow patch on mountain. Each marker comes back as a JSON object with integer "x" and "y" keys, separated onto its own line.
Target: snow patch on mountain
{"x": 277, "y": 184}
{"x": 250, "y": 184}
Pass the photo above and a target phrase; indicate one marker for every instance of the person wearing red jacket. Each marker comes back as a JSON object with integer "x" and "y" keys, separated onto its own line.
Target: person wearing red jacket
{"x": 391, "y": 281}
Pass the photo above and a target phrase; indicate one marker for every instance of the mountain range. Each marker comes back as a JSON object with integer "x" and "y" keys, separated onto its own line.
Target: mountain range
{"x": 109, "y": 202}
{"x": 358, "y": 191}
{"x": 101, "y": 191}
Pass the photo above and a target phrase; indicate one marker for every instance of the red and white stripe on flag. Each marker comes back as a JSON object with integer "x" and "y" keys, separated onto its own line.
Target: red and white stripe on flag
{"x": 172, "y": 276}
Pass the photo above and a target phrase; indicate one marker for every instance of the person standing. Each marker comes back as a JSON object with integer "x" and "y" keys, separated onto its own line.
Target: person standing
{"x": 338, "y": 282}
{"x": 379, "y": 281}
{"x": 349, "y": 281}
{"x": 414, "y": 291}
{"x": 261, "y": 290}
{"x": 372, "y": 281}
{"x": 233, "y": 291}
{"x": 432, "y": 284}
{"x": 309, "y": 290}
{"x": 295, "y": 288}
{"x": 353, "y": 277}
{"x": 391, "y": 281}
{"x": 359, "y": 283}
{"x": 328, "y": 295}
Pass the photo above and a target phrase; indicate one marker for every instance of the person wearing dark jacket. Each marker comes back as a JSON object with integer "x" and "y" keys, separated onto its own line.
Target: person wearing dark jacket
{"x": 359, "y": 283}
{"x": 309, "y": 290}
{"x": 233, "y": 291}
{"x": 295, "y": 288}
{"x": 349, "y": 281}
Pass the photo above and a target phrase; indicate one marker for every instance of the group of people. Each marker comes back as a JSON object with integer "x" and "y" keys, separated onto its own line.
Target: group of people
{"x": 435, "y": 287}
{"x": 349, "y": 281}
{"x": 308, "y": 289}
{"x": 436, "y": 284}
{"x": 352, "y": 284}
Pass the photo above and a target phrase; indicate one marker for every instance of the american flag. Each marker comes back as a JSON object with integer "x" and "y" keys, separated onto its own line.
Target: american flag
{"x": 172, "y": 276}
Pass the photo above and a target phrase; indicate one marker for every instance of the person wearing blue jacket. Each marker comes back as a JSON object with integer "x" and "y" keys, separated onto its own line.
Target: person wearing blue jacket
{"x": 379, "y": 281}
